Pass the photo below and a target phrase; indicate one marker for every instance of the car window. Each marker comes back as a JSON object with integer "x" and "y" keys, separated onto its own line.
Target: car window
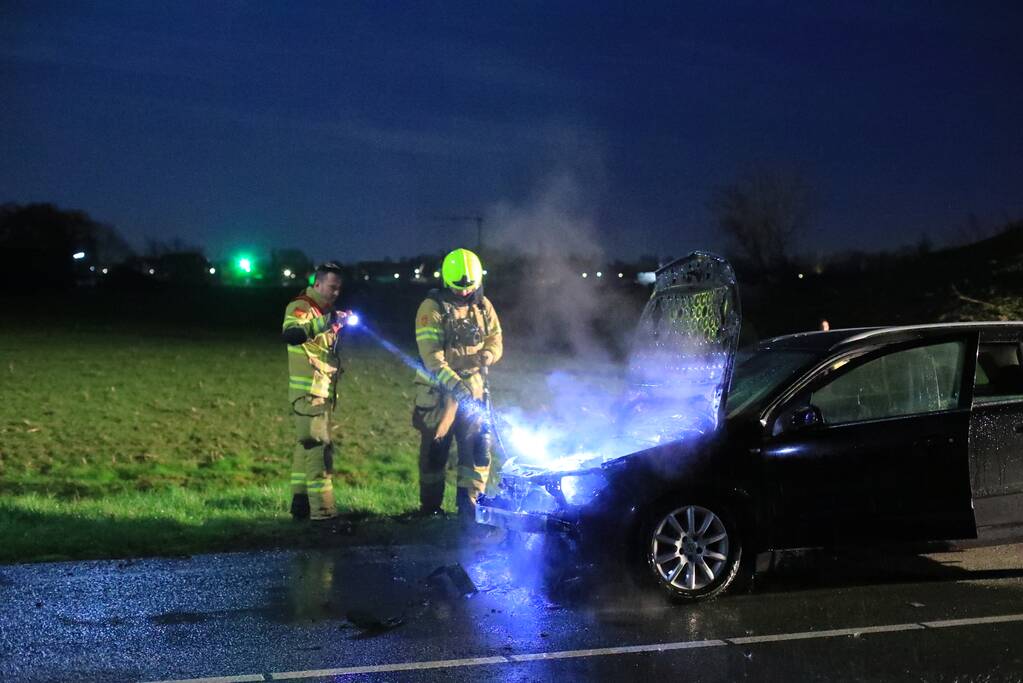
{"x": 919, "y": 380}
{"x": 999, "y": 376}
{"x": 761, "y": 372}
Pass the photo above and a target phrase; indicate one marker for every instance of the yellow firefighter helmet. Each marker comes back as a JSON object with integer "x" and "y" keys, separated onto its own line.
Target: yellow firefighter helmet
{"x": 462, "y": 270}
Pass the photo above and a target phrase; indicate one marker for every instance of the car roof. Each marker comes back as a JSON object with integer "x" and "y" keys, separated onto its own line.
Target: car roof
{"x": 821, "y": 341}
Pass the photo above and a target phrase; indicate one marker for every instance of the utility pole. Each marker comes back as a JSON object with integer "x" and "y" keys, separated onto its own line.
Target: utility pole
{"x": 476, "y": 218}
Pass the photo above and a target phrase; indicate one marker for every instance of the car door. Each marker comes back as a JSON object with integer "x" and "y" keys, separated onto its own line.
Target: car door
{"x": 885, "y": 454}
{"x": 996, "y": 434}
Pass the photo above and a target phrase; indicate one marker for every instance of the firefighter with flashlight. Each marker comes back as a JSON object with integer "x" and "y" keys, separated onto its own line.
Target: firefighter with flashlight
{"x": 311, "y": 328}
{"x": 459, "y": 337}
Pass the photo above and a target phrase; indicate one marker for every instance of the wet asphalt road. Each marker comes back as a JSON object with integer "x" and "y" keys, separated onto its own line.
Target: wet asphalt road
{"x": 266, "y": 616}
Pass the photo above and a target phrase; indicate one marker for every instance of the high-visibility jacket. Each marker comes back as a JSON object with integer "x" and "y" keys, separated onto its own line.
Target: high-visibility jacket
{"x": 450, "y": 335}
{"x": 312, "y": 366}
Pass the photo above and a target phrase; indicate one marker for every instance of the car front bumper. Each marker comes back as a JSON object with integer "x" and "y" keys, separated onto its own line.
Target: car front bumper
{"x": 532, "y": 505}
{"x": 494, "y": 512}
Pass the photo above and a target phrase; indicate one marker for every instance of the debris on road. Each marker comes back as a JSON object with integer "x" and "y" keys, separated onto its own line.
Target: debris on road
{"x": 451, "y": 581}
{"x": 371, "y": 623}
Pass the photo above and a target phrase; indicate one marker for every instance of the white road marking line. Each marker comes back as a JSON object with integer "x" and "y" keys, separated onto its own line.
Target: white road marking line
{"x": 947, "y": 623}
{"x": 478, "y": 661}
{"x": 386, "y": 668}
{"x": 834, "y": 633}
{"x": 245, "y": 678}
{"x": 625, "y": 650}
{"x": 605, "y": 651}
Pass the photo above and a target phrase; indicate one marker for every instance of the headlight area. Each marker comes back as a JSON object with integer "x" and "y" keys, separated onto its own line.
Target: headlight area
{"x": 548, "y": 502}
{"x": 526, "y": 504}
{"x": 580, "y": 488}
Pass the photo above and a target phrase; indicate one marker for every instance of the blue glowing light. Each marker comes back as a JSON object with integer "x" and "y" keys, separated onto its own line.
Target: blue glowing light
{"x": 471, "y": 409}
{"x": 533, "y": 442}
{"x": 580, "y": 489}
{"x": 353, "y": 320}
{"x": 395, "y": 351}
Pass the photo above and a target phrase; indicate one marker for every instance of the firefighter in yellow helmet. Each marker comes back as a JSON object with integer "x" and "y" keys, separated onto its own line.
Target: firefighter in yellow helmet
{"x": 458, "y": 334}
{"x": 311, "y": 328}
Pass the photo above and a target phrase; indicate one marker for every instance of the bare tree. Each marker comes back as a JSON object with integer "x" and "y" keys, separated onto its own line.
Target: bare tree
{"x": 762, "y": 213}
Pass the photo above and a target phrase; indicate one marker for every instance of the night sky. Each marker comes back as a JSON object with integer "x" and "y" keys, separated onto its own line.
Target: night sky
{"x": 346, "y": 128}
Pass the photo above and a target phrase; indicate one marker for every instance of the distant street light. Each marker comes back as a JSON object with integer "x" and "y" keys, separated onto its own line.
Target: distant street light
{"x": 213, "y": 271}
{"x": 600, "y": 274}
{"x": 78, "y": 255}
{"x": 586, "y": 274}
{"x": 287, "y": 272}
{"x": 152, "y": 271}
{"x": 396, "y": 276}
{"x": 436, "y": 273}
{"x": 245, "y": 264}
{"x": 621, "y": 275}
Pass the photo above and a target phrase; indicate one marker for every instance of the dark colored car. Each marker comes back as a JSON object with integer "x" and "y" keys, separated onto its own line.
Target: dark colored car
{"x": 862, "y": 436}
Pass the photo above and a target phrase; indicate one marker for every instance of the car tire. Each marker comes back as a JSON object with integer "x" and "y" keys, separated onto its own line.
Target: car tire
{"x": 691, "y": 550}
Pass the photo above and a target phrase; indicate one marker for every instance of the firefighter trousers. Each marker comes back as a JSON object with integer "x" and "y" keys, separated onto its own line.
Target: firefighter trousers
{"x": 433, "y": 459}
{"x": 312, "y": 465}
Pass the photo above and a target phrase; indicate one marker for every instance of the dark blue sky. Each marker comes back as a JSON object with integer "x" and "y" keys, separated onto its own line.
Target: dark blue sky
{"x": 343, "y": 128}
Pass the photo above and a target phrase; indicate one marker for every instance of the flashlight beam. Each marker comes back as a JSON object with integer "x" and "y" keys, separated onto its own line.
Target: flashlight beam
{"x": 471, "y": 408}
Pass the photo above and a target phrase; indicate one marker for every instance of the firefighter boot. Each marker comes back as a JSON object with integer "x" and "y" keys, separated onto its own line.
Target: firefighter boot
{"x": 300, "y": 506}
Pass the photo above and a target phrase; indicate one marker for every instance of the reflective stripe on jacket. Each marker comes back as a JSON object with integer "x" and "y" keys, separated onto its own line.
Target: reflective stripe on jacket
{"x": 312, "y": 366}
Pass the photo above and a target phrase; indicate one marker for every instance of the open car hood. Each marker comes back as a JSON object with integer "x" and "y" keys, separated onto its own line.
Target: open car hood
{"x": 681, "y": 362}
{"x": 679, "y": 370}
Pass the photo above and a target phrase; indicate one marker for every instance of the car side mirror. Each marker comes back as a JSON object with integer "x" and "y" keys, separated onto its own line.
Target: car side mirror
{"x": 806, "y": 417}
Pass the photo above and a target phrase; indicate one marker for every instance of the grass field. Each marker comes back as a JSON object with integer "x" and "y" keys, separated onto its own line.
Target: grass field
{"x": 118, "y": 444}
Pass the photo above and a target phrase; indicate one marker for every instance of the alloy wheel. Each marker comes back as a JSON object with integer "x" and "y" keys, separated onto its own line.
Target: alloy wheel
{"x": 689, "y": 548}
